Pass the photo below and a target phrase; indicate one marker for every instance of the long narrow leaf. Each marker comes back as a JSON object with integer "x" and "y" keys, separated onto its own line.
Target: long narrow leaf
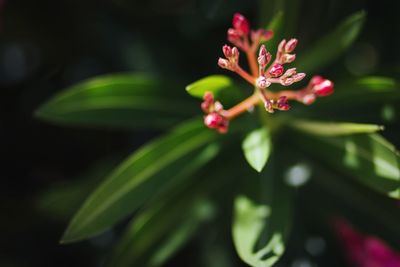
{"x": 334, "y": 128}
{"x": 368, "y": 157}
{"x": 141, "y": 176}
{"x": 120, "y": 101}
{"x": 332, "y": 45}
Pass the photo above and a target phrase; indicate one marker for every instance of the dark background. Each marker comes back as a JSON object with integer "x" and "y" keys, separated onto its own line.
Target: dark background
{"x": 48, "y": 45}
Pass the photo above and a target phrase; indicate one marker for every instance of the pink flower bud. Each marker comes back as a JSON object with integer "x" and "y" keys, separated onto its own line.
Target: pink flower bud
{"x": 218, "y": 106}
{"x": 213, "y": 120}
{"x": 308, "y": 99}
{"x": 206, "y": 105}
{"x": 290, "y": 72}
{"x": 223, "y": 63}
{"x": 262, "y": 82}
{"x": 316, "y": 80}
{"x": 288, "y": 58}
{"x": 241, "y": 24}
{"x": 208, "y": 96}
{"x": 266, "y": 35}
{"x": 233, "y": 36}
{"x": 261, "y": 35}
{"x": 286, "y": 81}
{"x": 324, "y": 88}
{"x": 268, "y": 104}
{"x": 227, "y": 50}
{"x": 281, "y": 46}
{"x": 262, "y": 51}
{"x": 298, "y": 77}
{"x": 223, "y": 127}
{"x": 282, "y": 103}
{"x": 235, "y": 54}
{"x": 264, "y": 57}
{"x": 290, "y": 45}
{"x": 276, "y": 70}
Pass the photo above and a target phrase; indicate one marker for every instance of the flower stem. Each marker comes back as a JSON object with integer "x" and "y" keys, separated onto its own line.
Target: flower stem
{"x": 243, "y": 106}
{"x": 245, "y": 75}
{"x": 251, "y": 58}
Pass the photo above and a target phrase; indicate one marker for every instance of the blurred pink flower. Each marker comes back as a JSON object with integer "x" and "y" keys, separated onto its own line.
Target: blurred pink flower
{"x": 363, "y": 250}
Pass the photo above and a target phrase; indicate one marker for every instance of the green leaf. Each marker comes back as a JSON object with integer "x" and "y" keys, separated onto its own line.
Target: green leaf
{"x": 141, "y": 176}
{"x": 334, "y": 128}
{"x": 276, "y": 22}
{"x": 249, "y": 222}
{"x": 147, "y": 242}
{"x": 221, "y": 86}
{"x": 213, "y": 83}
{"x": 257, "y": 147}
{"x": 369, "y": 158}
{"x": 260, "y": 231}
{"x": 120, "y": 101}
{"x": 332, "y": 45}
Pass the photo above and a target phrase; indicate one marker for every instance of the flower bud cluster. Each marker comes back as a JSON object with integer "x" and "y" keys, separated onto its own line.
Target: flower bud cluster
{"x": 231, "y": 60}
{"x": 214, "y": 118}
{"x": 264, "y": 72}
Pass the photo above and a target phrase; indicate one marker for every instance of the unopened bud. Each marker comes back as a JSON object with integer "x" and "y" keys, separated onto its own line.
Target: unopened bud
{"x": 316, "y": 80}
{"x": 218, "y": 106}
{"x": 290, "y": 72}
{"x": 291, "y": 45}
{"x": 281, "y": 46}
{"x": 227, "y": 50}
{"x": 235, "y": 54}
{"x": 213, "y": 120}
{"x": 288, "y": 58}
{"x": 324, "y": 88}
{"x": 223, "y": 63}
{"x": 206, "y": 105}
{"x": 241, "y": 24}
{"x": 287, "y": 81}
{"x": 298, "y": 77}
{"x": 223, "y": 127}
{"x": 266, "y": 35}
{"x": 233, "y": 36}
{"x": 276, "y": 70}
{"x": 264, "y": 57}
{"x": 268, "y": 104}
{"x": 282, "y": 103}
{"x": 208, "y": 96}
{"x": 262, "y": 82}
{"x": 308, "y": 99}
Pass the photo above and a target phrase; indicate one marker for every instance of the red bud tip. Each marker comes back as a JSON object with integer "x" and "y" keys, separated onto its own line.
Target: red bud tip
{"x": 241, "y": 24}
{"x": 316, "y": 80}
{"x": 276, "y": 70}
{"x": 282, "y": 103}
{"x": 227, "y": 50}
{"x": 324, "y": 88}
{"x": 216, "y": 121}
{"x": 213, "y": 120}
{"x": 291, "y": 45}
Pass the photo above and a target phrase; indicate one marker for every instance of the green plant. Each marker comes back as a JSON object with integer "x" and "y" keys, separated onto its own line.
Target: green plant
{"x": 191, "y": 176}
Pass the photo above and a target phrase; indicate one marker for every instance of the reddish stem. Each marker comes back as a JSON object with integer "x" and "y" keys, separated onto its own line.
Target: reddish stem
{"x": 251, "y": 58}
{"x": 245, "y": 75}
{"x": 243, "y": 106}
